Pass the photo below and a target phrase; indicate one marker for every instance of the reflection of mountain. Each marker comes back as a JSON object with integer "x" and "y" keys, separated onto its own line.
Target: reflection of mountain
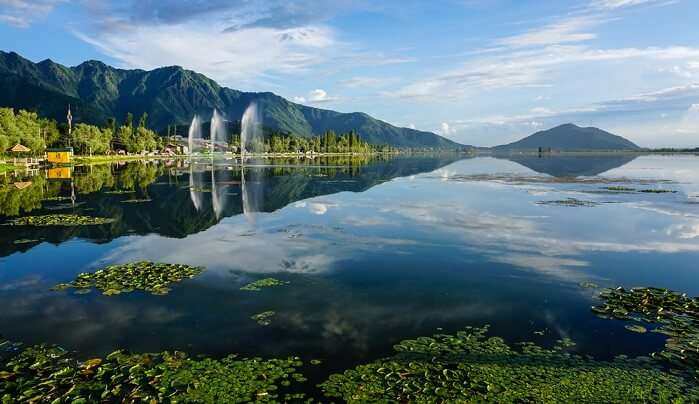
{"x": 171, "y": 213}
{"x": 571, "y": 165}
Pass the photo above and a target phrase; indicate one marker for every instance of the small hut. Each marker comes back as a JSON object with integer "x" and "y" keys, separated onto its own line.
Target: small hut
{"x": 18, "y": 149}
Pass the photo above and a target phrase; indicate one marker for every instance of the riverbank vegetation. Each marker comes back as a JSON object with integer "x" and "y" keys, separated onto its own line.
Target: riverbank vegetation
{"x": 38, "y": 134}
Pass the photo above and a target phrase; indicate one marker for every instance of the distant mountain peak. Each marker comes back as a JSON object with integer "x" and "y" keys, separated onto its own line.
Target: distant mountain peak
{"x": 570, "y": 137}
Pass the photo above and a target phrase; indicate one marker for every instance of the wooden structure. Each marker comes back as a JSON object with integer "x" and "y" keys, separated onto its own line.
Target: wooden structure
{"x": 59, "y": 155}
{"x": 26, "y": 162}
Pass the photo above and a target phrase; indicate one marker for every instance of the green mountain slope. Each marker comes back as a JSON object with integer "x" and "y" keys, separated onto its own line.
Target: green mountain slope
{"x": 570, "y": 137}
{"x": 172, "y": 95}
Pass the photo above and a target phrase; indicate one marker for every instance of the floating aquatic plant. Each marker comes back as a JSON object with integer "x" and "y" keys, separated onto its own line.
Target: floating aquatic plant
{"x": 617, "y": 188}
{"x": 137, "y": 201}
{"x": 151, "y": 277}
{"x": 49, "y": 374}
{"x": 58, "y": 220}
{"x": 263, "y": 283}
{"x": 657, "y": 191}
{"x": 588, "y": 285}
{"x": 119, "y": 192}
{"x": 264, "y": 318}
{"x": 25, "y": 241}
{"x": 572, "y": 202}
{"x": 677, "y": 316}
{"x": 470, "y": 368}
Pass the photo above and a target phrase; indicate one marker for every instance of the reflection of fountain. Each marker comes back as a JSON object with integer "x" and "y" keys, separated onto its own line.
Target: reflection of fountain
{"x": 195, "y": 188}
{"x": 251, "y": 190}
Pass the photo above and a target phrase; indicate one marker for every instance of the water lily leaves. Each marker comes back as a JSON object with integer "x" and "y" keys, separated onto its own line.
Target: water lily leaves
{"x": 569, "y": 202}
{"x": 676, "y": 314}
{"x": 588, "y": 285}
{"x": 257, "y": 285}
{"x": 264, "y": 318}
{"x": 145, "y": 200}
{"x": 154, "y": 278}
{"x": 636, "y": 328}
{"x": 48, "y": 374}
{"x": 472, "y": 367}
{"x": 58, "y": 220}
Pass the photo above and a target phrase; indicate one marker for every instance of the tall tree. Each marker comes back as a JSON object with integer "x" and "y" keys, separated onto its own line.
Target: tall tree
{"x": 142, "y": 120}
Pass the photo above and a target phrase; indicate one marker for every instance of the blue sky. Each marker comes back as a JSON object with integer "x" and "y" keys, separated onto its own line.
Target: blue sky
{"x": 480, "y": 72}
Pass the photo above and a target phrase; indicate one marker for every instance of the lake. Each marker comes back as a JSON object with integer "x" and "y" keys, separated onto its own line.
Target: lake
{"x": 375, "y": 251}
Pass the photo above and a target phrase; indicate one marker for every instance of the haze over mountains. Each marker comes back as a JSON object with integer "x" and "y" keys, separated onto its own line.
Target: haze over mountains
{"x": 173, "y": 95}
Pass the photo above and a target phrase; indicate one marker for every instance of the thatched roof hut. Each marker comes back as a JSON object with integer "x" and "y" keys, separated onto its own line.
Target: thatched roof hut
{"x": 18, "y": 148}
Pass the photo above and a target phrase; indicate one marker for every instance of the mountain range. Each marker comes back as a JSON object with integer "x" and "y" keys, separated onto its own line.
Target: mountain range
{"x": 173, "y": 95}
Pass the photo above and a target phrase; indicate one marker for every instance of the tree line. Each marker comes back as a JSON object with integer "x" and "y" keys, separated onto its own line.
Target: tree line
{"x": 38, "y": 134}
{"x": 329, "y": 142}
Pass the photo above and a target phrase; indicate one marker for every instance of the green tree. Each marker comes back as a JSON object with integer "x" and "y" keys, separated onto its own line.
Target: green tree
{"x": 88, "y": 139}
{"x": 142, "y": 120}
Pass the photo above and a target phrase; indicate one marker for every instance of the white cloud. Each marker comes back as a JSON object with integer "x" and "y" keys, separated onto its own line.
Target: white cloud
{"x": 317, "y": 96}
{"x": 617, "y": 4}
{"x": 234, "y": 56}
{"x": 367, "y": 82}
{"x": 444, "y": 129}
{"x": 22, "y": 13}
{"x": 533, "y": 67}
{"x": 566, "y": 31}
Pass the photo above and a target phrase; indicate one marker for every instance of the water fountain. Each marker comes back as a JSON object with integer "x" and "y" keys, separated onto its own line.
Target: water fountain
{"x": 250, "y": 130}
{"x": 250, "y": 142}
{"x": 194, "y": 133}
{"x": 217, "y": 131}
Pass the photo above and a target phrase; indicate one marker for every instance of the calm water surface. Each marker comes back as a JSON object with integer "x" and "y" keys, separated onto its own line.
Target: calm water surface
{"x": 376, "y": 252}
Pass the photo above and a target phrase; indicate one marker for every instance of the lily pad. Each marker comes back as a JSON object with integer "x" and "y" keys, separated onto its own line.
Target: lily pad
{"x": 155, "y": 278}
{"x": 58, "y": 220}
{"x": 49, "y": 374}
{"x": 570, "y": 202}
{"x": 137, "y": 201}
{"x": 588, "y": 285}
{"x": 263, "y": 283}
{"x": 471, "y": 367}
{"x": 636, "y": 328}
{"x": 264, "y": 318}
{"x": 677, "y": 315}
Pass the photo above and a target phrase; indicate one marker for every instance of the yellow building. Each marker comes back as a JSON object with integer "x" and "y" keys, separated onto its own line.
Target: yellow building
{"x": 62, "y": 155}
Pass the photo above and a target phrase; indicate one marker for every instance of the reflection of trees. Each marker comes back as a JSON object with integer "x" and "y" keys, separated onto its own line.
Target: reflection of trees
{"x": 94, "y": 179}
{"x": 171, "y": 213}
{"x": 14, "y": 201}
{"x": 139, "y": 174}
